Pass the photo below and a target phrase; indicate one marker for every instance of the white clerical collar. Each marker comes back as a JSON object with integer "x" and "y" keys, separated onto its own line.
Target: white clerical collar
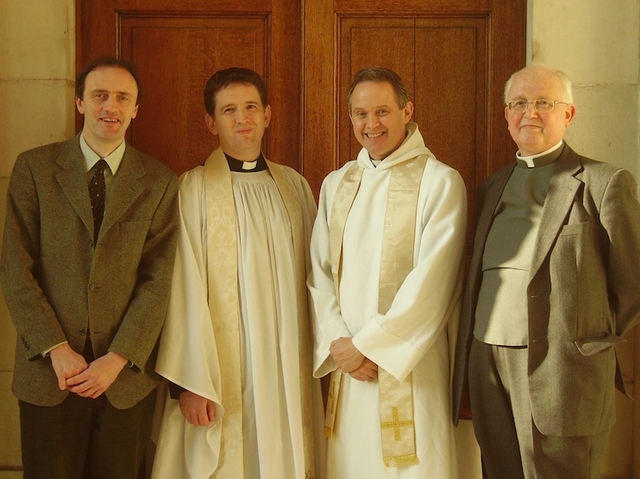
{"x": 259, "y": 164}
{"x": 113, "y": 159}
{"x": 530, "y": 160}
{"x": 249, "y": 165}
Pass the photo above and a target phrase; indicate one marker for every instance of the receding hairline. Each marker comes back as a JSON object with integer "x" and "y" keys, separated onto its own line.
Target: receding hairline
{"x": 107, "y": 62}
{"x": 381, "y": 82}
{"x": 380, "y": 75}
{"x": 113, "y": 67}
{"x": 547, "y": 72}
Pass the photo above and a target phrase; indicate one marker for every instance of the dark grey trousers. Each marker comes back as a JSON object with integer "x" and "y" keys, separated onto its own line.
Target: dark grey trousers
{"x": 511, "y": 445}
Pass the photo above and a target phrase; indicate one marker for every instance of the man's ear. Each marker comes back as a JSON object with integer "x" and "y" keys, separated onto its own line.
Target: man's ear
{"x": 80, "y": 105}
{"x": 267, "y": 116}
{"x": 407, "y": 112}
{"x": 211, "y": 124}
{"x": 569, "y": 114}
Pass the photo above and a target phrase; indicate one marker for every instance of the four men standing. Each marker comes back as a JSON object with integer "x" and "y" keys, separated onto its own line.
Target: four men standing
{"x": 550, "y": 292}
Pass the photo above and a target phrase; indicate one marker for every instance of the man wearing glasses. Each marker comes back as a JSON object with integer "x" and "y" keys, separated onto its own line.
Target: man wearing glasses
{"x": 551, "y": 290}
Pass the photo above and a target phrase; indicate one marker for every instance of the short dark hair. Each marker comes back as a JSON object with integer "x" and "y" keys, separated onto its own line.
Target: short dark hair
{"x": 223, "y": 78}
{"x": 107, "y": 61}
{"x": 381, "y": 75}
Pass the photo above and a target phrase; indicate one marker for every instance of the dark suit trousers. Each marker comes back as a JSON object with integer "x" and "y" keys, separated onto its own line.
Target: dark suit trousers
{"x": 511, "y": 445}
{"x": 85, "y": 438}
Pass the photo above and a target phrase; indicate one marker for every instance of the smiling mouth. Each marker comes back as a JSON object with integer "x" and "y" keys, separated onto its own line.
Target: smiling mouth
{"x": 374, "y": 135}
{"x": 110, "y": 120}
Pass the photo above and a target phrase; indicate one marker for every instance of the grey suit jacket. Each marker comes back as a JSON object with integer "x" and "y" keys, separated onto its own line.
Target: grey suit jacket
{"x": 58, "y": 286}
{"x": 582, "y": 295}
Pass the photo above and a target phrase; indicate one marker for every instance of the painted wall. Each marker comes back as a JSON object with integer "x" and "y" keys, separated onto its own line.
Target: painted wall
{"x": 596, "y": 43}
{"x": 37, "y": 71}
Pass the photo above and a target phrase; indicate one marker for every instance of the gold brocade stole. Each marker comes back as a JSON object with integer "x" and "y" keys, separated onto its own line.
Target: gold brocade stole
{"x": 224, "y": 304}
{"x": 397, "y": 427}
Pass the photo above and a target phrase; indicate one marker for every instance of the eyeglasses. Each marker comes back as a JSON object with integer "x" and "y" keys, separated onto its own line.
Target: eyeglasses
{"x": 543, "y": 105}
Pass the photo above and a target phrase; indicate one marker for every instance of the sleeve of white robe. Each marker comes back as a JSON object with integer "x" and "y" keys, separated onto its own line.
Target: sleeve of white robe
{"x": 397, "y": 340}
{"x": 187, "y": 353}
{"x": 327, "y": 317}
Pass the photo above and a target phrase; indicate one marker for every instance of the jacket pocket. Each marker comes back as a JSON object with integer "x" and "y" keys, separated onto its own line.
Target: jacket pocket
{"x": 588, "y": 346}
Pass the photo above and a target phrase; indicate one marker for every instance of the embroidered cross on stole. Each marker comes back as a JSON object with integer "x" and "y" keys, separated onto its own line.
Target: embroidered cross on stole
{"x": 397, "y": 427}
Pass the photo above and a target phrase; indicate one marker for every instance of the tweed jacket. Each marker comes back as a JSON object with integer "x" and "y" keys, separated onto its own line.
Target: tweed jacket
{"x": 58, "y": 286}
{"x": 582, "y": 292}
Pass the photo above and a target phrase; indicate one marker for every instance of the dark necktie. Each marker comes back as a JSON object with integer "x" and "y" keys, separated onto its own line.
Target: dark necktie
{"x": 97, "y": 193}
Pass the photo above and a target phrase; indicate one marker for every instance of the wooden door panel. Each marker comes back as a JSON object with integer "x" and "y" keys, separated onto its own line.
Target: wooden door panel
{"x": 177, "y": 45}
{"x": 173, "y": 97}
{"x": 450, "y": 96}
{"x": 451, "y": 80}
{"x": 181, "y": 7}
{"x": 418, "y": 7}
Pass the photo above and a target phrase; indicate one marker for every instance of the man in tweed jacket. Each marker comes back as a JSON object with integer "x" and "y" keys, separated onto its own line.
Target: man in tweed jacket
{"x": 88, "y": 309}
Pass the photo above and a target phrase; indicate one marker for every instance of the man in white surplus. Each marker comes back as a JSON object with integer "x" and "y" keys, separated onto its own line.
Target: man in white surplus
{"x": 237, "y": 340}
{"x": 386, "y": 253}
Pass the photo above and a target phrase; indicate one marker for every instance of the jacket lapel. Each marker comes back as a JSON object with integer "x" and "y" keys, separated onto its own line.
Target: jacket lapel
{"x": 557, "y": 205}
{"x": 490, "y": 201}
{"x": 488, "y": 204}
{"x": 126, "y": 189}
{"x": 73, "y": 181}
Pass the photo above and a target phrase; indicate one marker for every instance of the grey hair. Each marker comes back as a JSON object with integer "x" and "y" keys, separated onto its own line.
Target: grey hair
{"x": 567, "y": 89}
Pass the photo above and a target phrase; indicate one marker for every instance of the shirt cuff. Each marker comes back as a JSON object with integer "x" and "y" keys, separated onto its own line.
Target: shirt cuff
{"x": 45, "y": 353}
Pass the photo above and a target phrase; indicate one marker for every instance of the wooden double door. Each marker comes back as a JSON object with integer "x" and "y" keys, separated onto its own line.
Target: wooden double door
{"x": 454, "y": 56}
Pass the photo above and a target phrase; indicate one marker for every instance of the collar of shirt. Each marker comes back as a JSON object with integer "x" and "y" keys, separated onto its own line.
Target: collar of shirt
{"x": 259, "y": 164}
{"x": 541, "y": 159}
{"x": 375, "y": 163}
{"x": 113, "y": 159}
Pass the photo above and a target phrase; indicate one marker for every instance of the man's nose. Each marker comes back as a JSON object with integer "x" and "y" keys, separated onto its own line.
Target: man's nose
{"x": 110, "y": 103}
{"x": 531, "y": 112}
{"x": 241, "y": 116}
{"x": 373, "y": 121}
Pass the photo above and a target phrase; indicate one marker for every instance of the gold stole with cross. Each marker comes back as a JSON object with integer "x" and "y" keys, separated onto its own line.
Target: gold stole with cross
{"x": 224, "y": 305}
{"x": 397, "y": 427}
